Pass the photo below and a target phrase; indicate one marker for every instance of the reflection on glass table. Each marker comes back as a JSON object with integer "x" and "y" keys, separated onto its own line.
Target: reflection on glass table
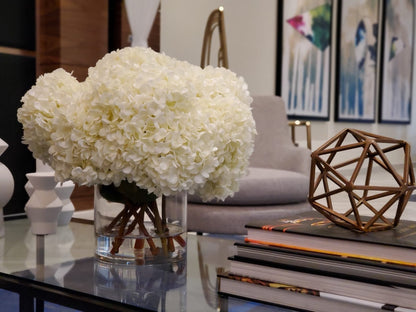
{"x": 73, "y": 277}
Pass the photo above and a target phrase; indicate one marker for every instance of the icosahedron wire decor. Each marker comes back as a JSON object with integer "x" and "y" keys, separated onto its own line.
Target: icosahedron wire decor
{"x": 342, "y": 171}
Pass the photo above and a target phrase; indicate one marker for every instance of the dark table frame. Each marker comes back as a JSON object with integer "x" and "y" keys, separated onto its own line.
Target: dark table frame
{"x": 33, "y": 291}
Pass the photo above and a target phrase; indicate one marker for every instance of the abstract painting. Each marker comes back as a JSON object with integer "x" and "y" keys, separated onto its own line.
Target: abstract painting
{"x": 396, "y": 89}
{"x": 303, "y": 75}
{"x": 357, "y": 53}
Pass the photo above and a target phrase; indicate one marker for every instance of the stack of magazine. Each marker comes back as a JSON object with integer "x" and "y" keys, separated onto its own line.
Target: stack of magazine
{"x": 308, "y": 263}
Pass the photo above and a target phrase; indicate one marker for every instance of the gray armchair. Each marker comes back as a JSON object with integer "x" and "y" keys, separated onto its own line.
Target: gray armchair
{"x": 277, "y": 183}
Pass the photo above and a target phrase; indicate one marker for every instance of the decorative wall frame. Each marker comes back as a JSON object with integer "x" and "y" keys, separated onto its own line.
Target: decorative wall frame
{"x": 397, "y": 60}
{"x": 304, "y": 57}
{"x": 357, "y": 64}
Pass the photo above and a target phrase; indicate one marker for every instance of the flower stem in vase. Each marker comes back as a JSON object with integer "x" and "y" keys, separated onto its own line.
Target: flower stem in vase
{"x": 121, "y": 233}
{"x": 154, "y": 250}
{"x": 114, "y": 222}
{"x": 138, "y": 223}
{"x": 180, "y": 240}
{"x": 139, "y": 250}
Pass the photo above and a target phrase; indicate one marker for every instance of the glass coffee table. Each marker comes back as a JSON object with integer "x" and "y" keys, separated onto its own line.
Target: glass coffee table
{"x": 72, "y": 277}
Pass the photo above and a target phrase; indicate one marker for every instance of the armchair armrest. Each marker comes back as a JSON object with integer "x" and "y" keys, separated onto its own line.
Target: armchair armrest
{"x": 307, "y": 124}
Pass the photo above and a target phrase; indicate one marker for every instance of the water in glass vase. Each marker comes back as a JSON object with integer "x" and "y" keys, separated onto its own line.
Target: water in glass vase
{"x": 140, "y": 249}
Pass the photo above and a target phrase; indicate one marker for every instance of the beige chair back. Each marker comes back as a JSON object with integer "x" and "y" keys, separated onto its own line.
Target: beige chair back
{"x": 273, "y": 139}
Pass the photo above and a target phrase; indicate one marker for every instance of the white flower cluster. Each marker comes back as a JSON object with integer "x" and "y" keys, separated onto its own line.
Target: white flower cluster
{"x": 143, "y": 117}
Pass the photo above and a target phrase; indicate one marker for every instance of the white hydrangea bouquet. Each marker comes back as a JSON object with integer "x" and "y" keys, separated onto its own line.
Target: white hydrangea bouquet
{"x": 142, "y": 125}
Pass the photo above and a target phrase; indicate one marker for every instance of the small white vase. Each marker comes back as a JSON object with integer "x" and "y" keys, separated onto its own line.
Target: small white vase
{"x": 44, "y": 205}
{"x": 64, "y": 191}
{"x": 29, "y": 188}
{"x": 6, "y": 186}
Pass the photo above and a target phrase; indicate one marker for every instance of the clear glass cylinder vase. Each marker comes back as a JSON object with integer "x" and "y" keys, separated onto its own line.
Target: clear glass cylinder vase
{"x": 152, "y": 232}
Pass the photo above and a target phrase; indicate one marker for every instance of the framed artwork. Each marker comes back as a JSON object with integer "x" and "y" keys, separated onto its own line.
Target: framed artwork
{"x": 357, "y": 65}
{"x": 304, "y": 57}
{"x": 397, "y": 74}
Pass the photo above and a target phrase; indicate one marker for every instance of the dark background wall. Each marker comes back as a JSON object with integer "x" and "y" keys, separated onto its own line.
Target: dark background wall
{"x": 17, "y": 74}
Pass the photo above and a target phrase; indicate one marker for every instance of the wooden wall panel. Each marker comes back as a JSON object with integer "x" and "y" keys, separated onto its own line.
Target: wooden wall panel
{"x": 84, "y": 33}
{"x": 47, "y": 35}
{"x": 72, "y": 34}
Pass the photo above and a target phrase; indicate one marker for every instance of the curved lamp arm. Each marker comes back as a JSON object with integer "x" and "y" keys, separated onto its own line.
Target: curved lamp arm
{"x": 215, "y": 19}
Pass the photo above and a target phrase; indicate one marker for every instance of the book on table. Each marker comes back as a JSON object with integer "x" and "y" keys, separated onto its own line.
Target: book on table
{"x": 294, "y": 296}
{"x": 335, "y": 284}
{"x": 230, "y": 303}
{"x": 327, "y": 264}
{"x": 313, "y": 232}
{"x": 309, "y": 251}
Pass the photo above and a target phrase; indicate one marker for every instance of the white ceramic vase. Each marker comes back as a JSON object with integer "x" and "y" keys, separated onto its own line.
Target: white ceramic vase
{"x": 6, "y": 186}
{"x": 44, "y": 205}
{"x": 64, "y": 191}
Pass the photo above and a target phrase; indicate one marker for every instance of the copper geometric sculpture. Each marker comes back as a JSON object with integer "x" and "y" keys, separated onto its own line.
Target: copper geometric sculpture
{"x": 342, "y": 168}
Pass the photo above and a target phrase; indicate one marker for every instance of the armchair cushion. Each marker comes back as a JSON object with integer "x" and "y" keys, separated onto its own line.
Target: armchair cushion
{"x": 265, "y": 186}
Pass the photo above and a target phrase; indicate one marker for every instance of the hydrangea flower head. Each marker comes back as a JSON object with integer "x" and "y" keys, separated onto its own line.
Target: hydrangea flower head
{"x": 144, "y": 117}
